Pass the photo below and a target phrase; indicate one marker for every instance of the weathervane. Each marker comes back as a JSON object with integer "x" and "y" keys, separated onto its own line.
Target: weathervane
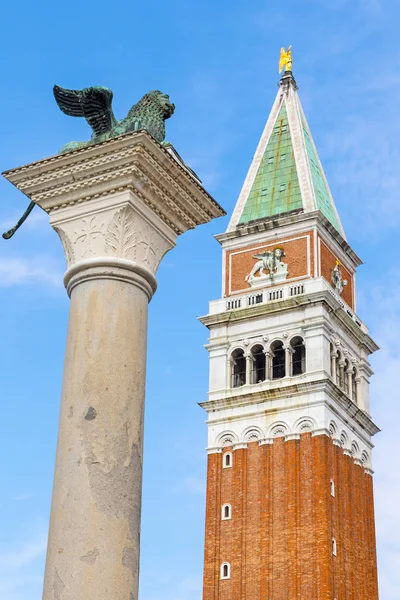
{"x": 285, "y": 60}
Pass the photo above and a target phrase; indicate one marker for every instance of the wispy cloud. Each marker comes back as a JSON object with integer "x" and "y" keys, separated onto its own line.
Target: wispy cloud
{"x": 364, "y": 5}
{"x": 381, "y": 302}
{"x": 23, "y": 496}
{"x": 173, "y": 588}
{"x": 20, "y": 571}
{"x": 28, "y": 271}
{"x": 361, "y": 151}
{"x": 194, "y": 485}
{"x": 37, "y": 220}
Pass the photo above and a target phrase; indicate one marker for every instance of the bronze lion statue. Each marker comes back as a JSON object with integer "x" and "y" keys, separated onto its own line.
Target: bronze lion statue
{"x": 95, "y": 105}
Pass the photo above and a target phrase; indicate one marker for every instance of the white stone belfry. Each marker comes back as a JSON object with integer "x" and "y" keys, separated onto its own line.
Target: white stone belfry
{"x": 118, "y": 207}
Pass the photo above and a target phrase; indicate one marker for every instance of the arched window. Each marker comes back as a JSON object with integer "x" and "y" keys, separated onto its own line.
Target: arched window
{"x": 298, "y": 356}
{"x": 278, "y": 360}
{"x": 258, "y": 360}
{"x": 238, "y": 368}
{"x": 334, "y": 547}
{"x": 225, "y": 570}
{"x": 227, "y": 460}
{"x": 226, "y": 512}
{"x": 332, "y": 484}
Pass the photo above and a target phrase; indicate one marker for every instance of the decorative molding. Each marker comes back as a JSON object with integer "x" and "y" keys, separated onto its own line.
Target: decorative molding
{"x": 292, "y": 436}
{"x": 131, "y": 162}
{"x": 86, "y": 240}
{"x": 66, "y": 242}
{"x": 278, "y": 430}
{"x": 121, "y": 237}
{"x": 253, "y": 434}
{"x": 240, "y": 446}
{"x": 227, "y": 441}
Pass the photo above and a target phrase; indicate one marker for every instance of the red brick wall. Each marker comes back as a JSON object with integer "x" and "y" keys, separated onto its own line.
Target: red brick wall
{"x": 279, "y": 540}
{"x": 239, "y": 262}
{"x": 328, "y": 261}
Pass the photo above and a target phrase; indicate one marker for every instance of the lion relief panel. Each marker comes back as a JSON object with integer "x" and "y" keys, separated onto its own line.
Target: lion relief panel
{"x": 268, "y": 264}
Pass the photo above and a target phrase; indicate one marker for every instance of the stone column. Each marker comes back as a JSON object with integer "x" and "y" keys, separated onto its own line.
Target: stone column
{"x": 342, "y": 365}
{"x": 349, "y": 375}
{"x": 118, "y": 208}
{"x": 333, "y": 366}
{"x": 288, "y": 361}
{"x": 268, "y": 359}
{"x": 249, "y": 368}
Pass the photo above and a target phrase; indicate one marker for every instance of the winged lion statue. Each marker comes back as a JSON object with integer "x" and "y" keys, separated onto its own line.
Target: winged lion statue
{"x": 95, "y": 105}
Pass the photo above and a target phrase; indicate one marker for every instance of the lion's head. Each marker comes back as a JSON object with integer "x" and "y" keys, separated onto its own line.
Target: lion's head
{"x": 152, "y": 110}
{"x": 163, "y": 101}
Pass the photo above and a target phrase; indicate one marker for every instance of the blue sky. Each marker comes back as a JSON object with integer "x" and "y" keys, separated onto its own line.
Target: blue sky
{"x": 218, "y": 61}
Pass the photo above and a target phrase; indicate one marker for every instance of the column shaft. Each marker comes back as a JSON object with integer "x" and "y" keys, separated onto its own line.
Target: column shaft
{"x": 93, "y": 551}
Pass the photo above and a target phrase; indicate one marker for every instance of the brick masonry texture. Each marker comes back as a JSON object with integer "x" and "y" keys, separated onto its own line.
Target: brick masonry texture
{"x": 279, "y": 539}
{"x": 328, "y": 261}
{"x": 240, "y": 262}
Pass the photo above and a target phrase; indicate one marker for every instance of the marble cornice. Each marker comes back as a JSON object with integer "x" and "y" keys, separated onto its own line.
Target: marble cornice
{"x": 252, "y": 397}
{"x": 134, "y": 162}
{"x": 280, "y": 306}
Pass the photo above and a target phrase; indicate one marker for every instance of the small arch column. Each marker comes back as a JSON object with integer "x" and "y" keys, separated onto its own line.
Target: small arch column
{"x": 267, "y": 365}
{"x": 288, "y": 361}
{"x": 342, "y": 364}
{"x": 249, "y": 364}
{"x": 358, "y": 398}
{"x": 333, "y": 366}
{"x": 349, "y": 375}
{"x": 229, "y": 372}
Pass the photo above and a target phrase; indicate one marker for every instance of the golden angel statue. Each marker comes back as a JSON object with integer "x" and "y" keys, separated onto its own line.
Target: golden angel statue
{"x": 286, "y": 59}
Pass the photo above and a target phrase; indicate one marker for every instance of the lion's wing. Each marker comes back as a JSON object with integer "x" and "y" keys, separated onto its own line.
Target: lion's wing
{"x": 93, "y": 103}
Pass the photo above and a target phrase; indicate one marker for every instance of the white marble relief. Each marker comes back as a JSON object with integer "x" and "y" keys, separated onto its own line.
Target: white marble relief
{"x": 269, "y": 268}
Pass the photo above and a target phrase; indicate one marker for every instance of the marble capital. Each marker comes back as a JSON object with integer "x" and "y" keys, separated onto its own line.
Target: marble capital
{"x": 117, "y": 236}
{"x": 117, "y": 206}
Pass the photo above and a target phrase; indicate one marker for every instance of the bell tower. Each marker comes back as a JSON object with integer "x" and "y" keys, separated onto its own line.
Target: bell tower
{"x": 290, "y": 509}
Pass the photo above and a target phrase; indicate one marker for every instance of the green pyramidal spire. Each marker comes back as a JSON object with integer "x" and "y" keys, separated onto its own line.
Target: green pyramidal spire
{"x": 286, "y": 174}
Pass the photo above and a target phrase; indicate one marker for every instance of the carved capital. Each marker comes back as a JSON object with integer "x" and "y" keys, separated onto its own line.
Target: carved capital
{"x": 120, "y": 232}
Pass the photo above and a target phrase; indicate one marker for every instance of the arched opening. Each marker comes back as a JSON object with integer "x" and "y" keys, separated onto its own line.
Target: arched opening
{"x": 238, "y": 368}
{"x": 258, "y": 361}
{"x": 298, "y": 355}
{"x": 225, "y": 571}
{"x": 334, "y": 547}
{"x": 227, "y": 460}
{"x": 332, "y": 484}
{"x": 278, "y": 366}
{"x": 226, "y": 512}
